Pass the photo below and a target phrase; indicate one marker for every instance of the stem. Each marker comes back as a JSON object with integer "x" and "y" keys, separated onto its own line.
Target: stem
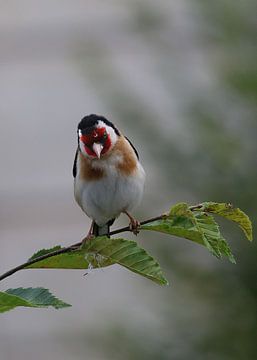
{"x": 69, "y": 248}
{"x": 127, "y": 228}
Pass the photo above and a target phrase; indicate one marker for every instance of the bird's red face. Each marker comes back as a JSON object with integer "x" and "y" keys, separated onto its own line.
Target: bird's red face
{"x": 96, "y": 143}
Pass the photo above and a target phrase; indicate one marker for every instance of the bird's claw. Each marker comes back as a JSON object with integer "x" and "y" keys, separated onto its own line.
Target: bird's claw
{"x": 86, "y": 240}
{"x": 134, "y": 226}
{"x": 82, "y": 244}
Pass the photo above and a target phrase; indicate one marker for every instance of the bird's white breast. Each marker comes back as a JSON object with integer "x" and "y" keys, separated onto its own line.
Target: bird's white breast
{"x": 104, "y": 199}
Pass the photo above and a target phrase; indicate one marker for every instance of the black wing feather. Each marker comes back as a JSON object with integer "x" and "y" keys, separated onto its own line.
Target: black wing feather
{"x": 133, "y": 147}
{"x": 74, "y": 169}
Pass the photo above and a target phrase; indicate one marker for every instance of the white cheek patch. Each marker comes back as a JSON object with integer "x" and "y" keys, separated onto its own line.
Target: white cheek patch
{"x": 110, "y": 131}
{"x": 81, "y": 144}
{"x": 82, "y": 148}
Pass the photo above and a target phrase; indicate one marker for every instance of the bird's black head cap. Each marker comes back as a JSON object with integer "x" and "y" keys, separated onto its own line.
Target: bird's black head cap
{"x": 89, "y": 122}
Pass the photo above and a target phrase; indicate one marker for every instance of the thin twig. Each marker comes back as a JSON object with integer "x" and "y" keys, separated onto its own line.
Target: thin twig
{"x": 127, "y": 228}
{"x": 69, "y": 248}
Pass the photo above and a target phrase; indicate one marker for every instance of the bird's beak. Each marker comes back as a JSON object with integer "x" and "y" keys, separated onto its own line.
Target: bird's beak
{"x": 97, "y": 147}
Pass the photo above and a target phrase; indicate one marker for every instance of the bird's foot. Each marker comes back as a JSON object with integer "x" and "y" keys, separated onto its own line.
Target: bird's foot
{"x": 89, "y": 237}
{"x": 86, "y": 240}
{"x": 134, "y": 224}
{"x": 82, "y": 244}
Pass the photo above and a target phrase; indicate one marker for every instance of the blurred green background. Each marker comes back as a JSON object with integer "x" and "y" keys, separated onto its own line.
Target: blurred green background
{"x": 180, "y": 79}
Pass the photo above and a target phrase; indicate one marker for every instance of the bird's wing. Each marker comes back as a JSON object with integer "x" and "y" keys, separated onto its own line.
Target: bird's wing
{"x": 74, "y": 169}
{"x": 133, "y": 147}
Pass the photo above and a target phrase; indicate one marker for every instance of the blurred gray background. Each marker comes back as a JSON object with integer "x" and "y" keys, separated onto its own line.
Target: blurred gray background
{"x": 180, "y": 79}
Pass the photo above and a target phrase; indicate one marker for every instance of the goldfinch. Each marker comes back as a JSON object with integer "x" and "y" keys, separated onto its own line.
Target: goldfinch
{"x": 108, "y": 177}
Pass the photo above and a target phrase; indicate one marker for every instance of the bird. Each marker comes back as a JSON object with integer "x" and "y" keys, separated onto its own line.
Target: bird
{"x": 108, "y": 177}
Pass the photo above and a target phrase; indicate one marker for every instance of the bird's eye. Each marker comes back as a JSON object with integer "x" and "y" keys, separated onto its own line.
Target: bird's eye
{"x": 105, "y": 135}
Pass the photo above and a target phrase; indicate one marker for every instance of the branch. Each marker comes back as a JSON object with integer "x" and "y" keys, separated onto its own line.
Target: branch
{"x": 70, "y": 248}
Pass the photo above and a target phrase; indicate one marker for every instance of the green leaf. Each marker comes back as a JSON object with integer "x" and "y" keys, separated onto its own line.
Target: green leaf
{"x": 72, "y": 260}
{"x": 231, "y": 213}
{"x": 180, "y": 221}
{"x": 212, "y": 238}
{"x": 44, "y": 252}
{"x": 104, "y": 251}
{"x": 179, "y": 226}
{"x": 197, "y": 226}
{"x": 127, "y": 253}
{"x": 29, "y": 297}
{"x": 180, "y": 209}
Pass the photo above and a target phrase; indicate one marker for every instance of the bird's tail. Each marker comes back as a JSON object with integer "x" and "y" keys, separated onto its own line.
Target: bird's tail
{"x": 102, "y": 230}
